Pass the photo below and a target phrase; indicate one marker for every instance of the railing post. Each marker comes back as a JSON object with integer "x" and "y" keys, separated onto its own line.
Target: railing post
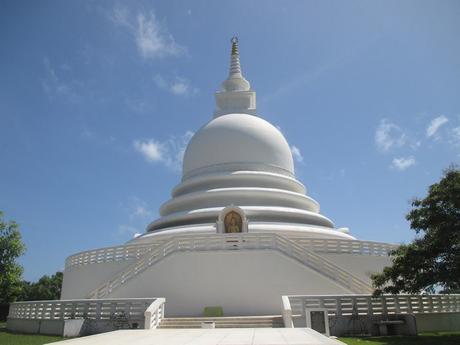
{"x": 287, "y": 312}
{"x": 384, "y": 305}
{"x": 370, "y": 310}
{"x": 157, "y": 317}
{"x": 430, "y": 304}
{"x": 338, "y": 306}
{"x": 409, "y": 304}
{"x": 148, "y": 320}
{"x": 421, "y": 307}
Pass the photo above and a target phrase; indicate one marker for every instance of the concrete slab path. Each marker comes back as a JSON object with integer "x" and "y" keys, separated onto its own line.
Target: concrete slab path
{"x": 218, "y": 336}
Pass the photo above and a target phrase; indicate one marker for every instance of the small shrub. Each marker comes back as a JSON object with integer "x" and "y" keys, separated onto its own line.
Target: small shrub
{"x": 216, "y": 311}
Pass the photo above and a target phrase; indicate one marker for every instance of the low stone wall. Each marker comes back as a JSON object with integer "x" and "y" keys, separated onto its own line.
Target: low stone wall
{"x": 71, "y": 318}
{"x": 70, "y": 327}
{"x": 371, "y": 325}
{"x": 435, "y": 322}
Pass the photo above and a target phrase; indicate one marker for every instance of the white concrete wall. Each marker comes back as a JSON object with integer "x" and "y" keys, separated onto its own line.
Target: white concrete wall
{"x": 242, "y": 282}
{"x": 49, "y": 327}
{"x": 435, "y": 322}
{"x": 79, "y": 281}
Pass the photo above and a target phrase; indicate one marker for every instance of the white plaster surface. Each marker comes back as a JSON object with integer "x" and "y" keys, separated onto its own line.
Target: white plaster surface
{"x": 237, "y": 138}
{"x": 220, "y": 336}
{"x": 361, "y": 266}
{"x": 78, "y": 281}
{"x": 242, "y": 282}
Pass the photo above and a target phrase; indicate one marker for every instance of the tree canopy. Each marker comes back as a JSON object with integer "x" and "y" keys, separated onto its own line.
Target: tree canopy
{"x": 46, "y": 288}
{"x": 432, "y": 260}
{"x": 11, "y": 247}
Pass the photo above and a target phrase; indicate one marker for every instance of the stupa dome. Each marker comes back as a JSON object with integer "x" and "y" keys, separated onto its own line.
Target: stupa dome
{"x": 238, "y": 139}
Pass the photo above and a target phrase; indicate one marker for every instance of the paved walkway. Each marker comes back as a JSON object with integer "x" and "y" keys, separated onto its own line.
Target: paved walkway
{"x": 218, "y": 336}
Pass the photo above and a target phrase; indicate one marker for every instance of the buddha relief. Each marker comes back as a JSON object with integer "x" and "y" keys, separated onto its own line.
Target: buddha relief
{"x": 233, "y": 222}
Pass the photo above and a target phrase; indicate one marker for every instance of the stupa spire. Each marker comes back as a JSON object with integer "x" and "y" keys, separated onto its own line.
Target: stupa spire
{"x": 235, "y": 80}
{"x": 236, "y": 95}
{"x": 235, "y": 66}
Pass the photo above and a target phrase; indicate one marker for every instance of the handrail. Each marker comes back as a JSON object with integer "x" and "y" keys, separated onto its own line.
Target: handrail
{"x": 341, "y": 246}
{"x": 109, "y": 254}
{"x": 154, "y": 314}
{"x": 323, "y": 266}
{"x": 240, "y": 241}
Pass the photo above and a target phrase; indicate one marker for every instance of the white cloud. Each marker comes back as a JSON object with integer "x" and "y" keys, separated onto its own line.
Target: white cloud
{"x": 141, "y": 211}
{"x": 402, "y": 163}
{"x": 435, "y": 125}
{"x": 138, "y": 208}
{"x": 170, "y": 152}
{"x": 151, "y": 37}
{"x": 178, "y": 86}
{"x": 455, "y": 136}
{"x": 127, "y": 230}
{"x": 389, "y": 136}
{"x": 296, "y": 154}
{"x": 54, "y": 85}
{"x": 150, "y": 149}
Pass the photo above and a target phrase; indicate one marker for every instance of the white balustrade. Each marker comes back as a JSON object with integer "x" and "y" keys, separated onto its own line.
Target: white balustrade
{"x": 109, "y": 254}
{"x": 154, "y": 314}
{"x": 336, "y": 246}
{"x": 98, "y": 309}
{"x": 135, "y": 251}
{"x": 382, "y": 305}
{"x": 242, "y": 241}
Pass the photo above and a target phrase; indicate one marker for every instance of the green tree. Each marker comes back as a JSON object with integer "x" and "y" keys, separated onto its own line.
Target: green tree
{"x": 11, "y": 247}
{"x": 432, "y": 261}
{"x": 46, "y": 288}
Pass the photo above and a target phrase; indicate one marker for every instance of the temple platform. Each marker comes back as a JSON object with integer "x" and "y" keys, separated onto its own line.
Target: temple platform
{"x": 220, "y": 336}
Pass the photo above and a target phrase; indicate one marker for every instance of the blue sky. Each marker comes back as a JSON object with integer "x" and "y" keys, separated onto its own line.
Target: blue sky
{"x": 98, "y": 99}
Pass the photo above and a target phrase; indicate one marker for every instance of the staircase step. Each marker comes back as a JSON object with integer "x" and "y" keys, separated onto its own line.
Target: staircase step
{"x": 223, "y": 326}
{"x": 269, "y": 321}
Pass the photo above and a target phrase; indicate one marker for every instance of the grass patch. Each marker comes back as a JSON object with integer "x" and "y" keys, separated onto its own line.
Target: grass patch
{"x": 8, "y": 338}
{"x": 436, "y": 338}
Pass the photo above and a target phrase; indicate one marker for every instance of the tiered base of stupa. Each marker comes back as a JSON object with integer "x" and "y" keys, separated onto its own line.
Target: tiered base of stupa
{"x": 244, "y": 273}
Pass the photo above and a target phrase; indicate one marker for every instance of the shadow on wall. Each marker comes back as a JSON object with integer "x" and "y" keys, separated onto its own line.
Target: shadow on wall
{"x": 4, "y": 308}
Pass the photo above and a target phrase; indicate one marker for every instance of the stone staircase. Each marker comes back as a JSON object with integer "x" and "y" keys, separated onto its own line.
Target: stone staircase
{"x": 290, "y": 248}
{"x": 270, "y": 321}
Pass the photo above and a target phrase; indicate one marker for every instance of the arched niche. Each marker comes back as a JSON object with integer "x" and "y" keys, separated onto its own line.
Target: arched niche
{"x": 232, "y": 219}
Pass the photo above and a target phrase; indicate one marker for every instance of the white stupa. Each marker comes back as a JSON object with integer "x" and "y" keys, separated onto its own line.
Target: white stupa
{"x": 239, "y": 232}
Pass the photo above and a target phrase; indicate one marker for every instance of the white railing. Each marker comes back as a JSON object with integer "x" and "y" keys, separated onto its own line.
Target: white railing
{"x": 382, "y": 305}
{"x": 109, "y": 254}
{"x": 98, "y": 309}
{"x": 322, "y": 265}
{"x": 154, "y": 314}
{"x": 135, "y": 251}
{"x": 243, "y": 241}
{"x": 334, "y": 246}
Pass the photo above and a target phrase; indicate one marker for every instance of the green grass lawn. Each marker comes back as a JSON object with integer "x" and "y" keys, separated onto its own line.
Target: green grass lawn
{"x": 7, "y": 338}
{"x": 439, "y": 338}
